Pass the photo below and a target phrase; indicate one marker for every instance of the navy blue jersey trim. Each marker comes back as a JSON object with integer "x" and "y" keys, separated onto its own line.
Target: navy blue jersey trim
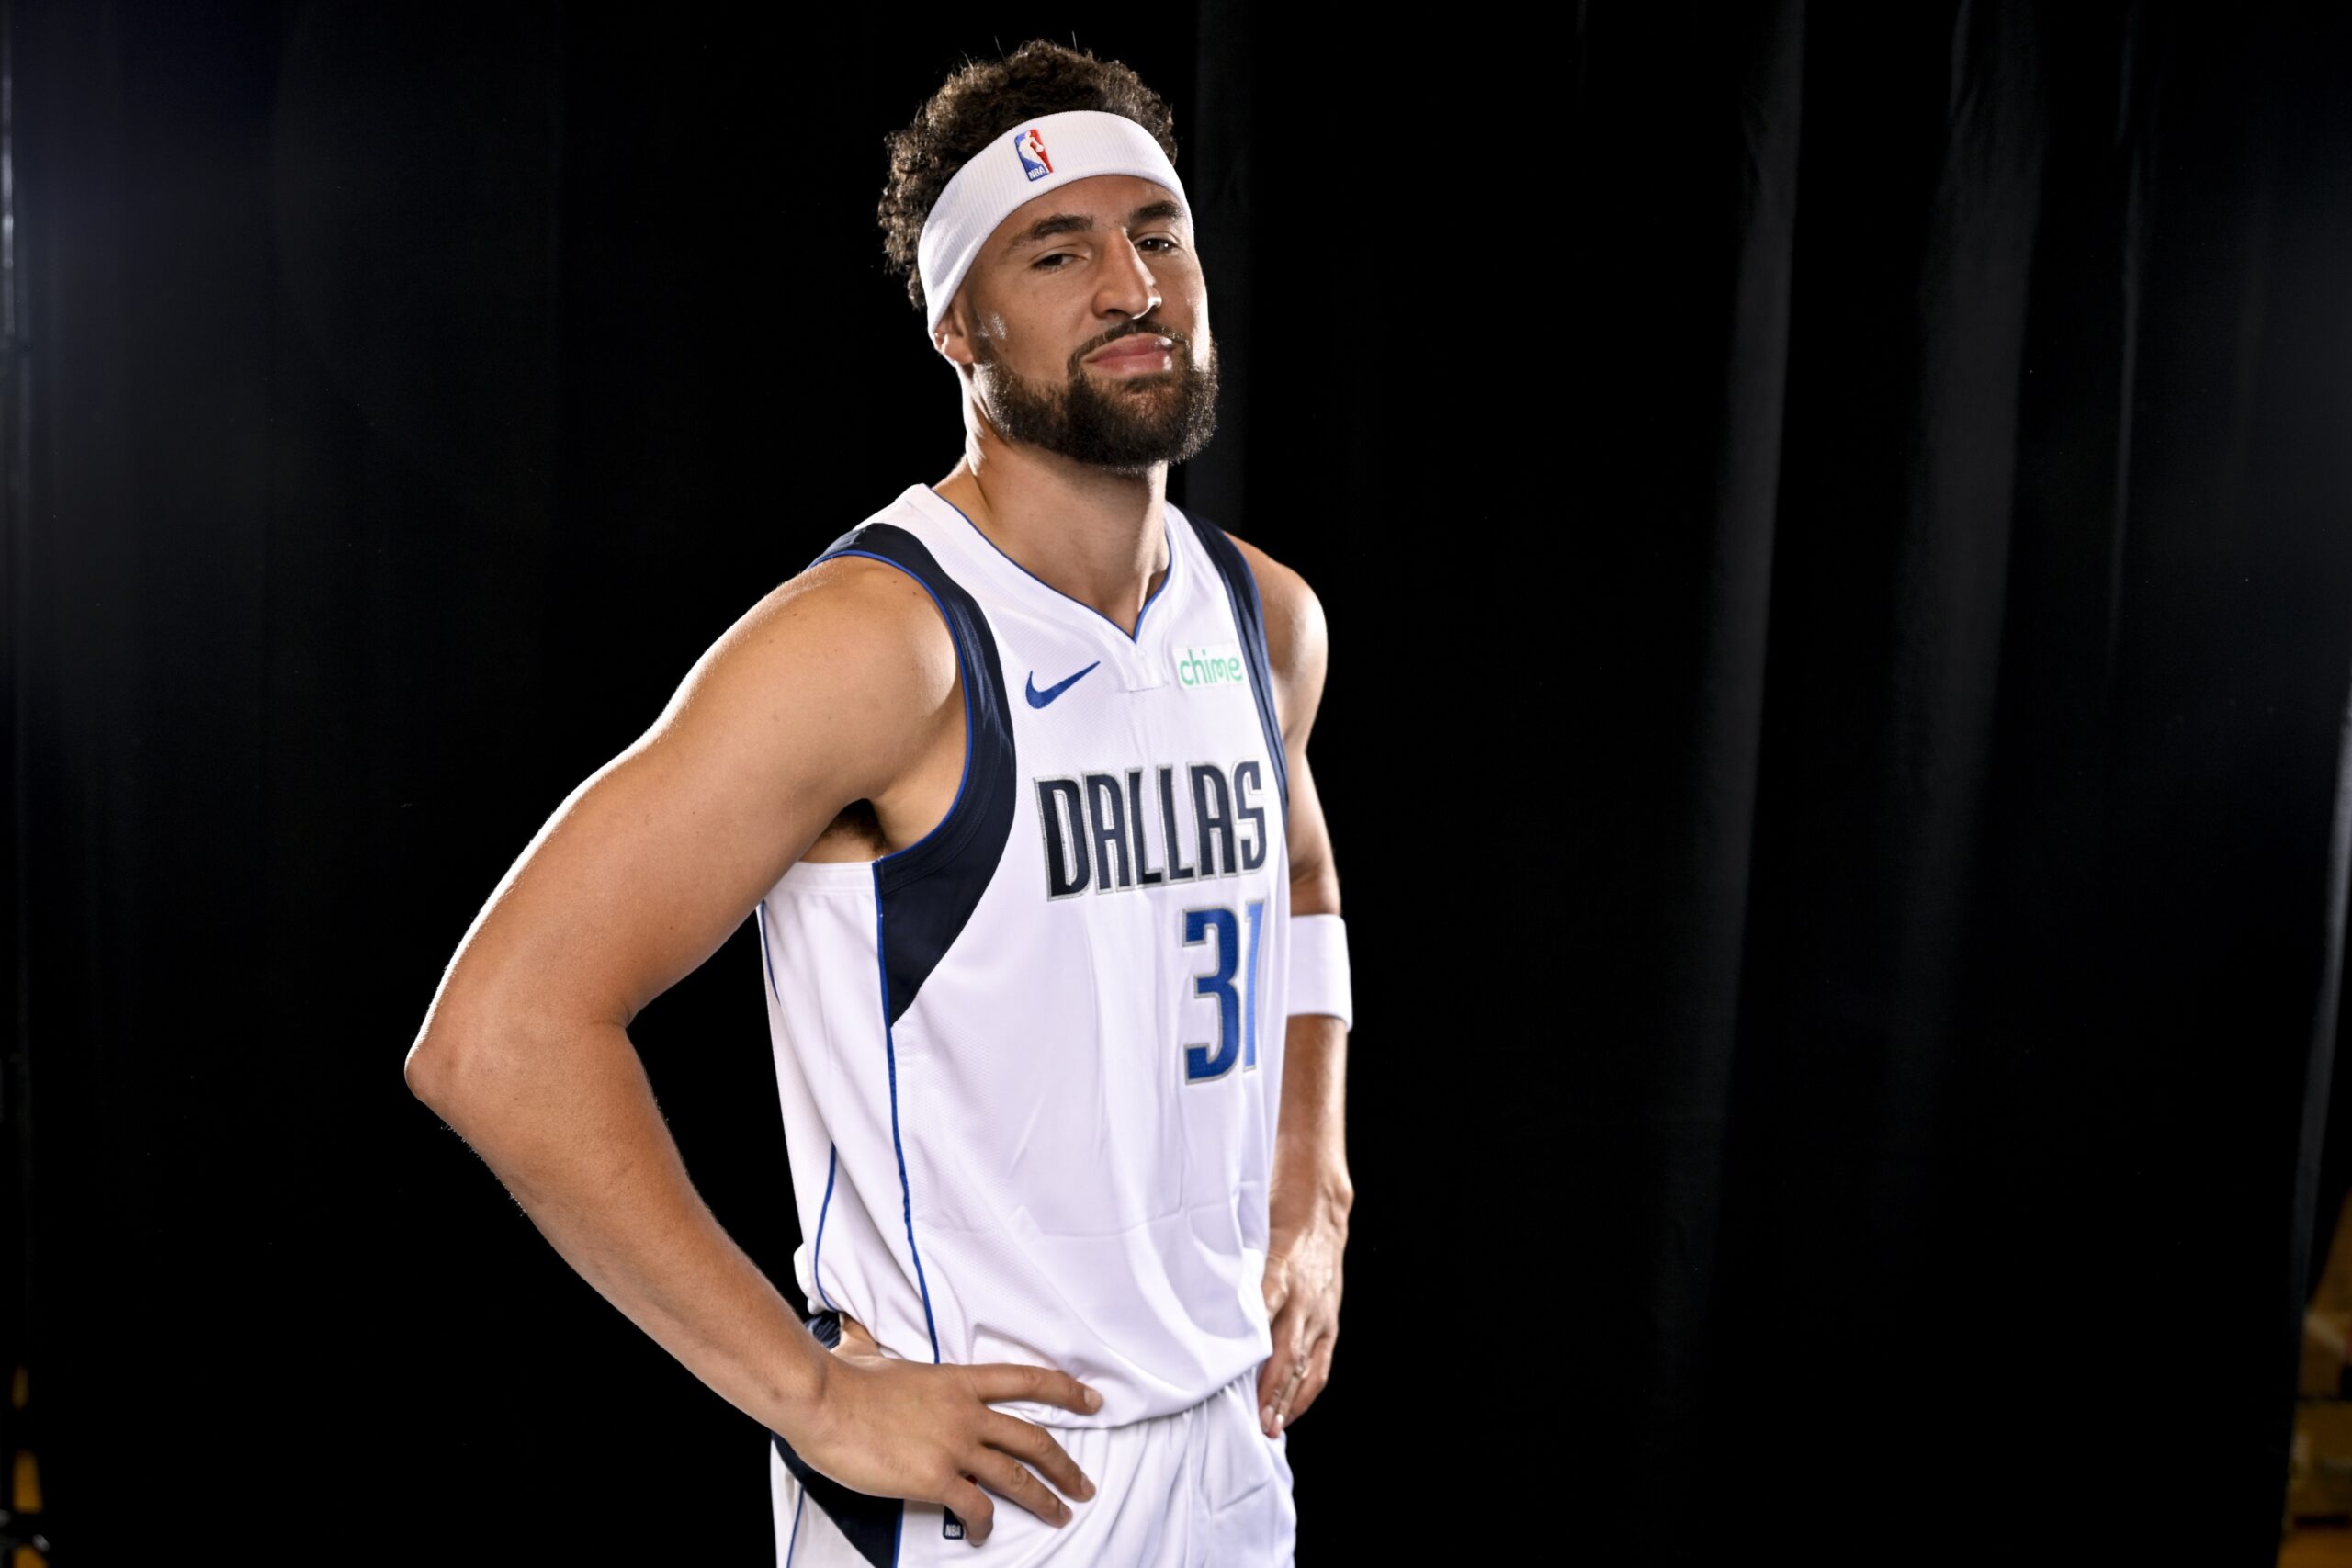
{"x": 869, "y": 1524}
{"x": 1149, "y": 600}
{"x": 760, "y": 916}
{"x": 954, "y": 861}
{"x": 890, "y": 1055}
{"x": 817, "y": 1258}
{"x": 964, "y": 776}
{"x": 924, "y": 894}
{"x": 1249, "y": 618}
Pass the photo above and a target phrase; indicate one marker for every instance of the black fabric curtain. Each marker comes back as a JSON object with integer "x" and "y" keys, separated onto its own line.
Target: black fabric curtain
{"x": 1970, "y": 488}
{"x": 417, "y": 389}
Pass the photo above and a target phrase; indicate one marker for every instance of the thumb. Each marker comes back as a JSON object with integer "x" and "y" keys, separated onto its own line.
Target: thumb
{"x": 1277, "y": 1284}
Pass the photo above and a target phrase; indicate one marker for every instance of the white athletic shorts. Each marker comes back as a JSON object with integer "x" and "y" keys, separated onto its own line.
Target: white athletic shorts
{"x": 1203, "y": 1488}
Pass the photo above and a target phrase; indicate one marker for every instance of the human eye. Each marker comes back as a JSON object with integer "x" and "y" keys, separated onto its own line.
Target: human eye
{"x": 1165, "y": 242}
{"x": 1052, "y": 261}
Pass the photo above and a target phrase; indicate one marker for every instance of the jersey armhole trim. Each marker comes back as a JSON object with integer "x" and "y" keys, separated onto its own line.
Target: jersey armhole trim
{"x": 1249, "y": 620}
{"x": 925, "y": 893}
{"x": 954, "y": 821}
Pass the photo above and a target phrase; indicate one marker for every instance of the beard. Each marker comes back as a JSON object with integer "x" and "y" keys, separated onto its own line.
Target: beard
{"x": 1125, "y": 427}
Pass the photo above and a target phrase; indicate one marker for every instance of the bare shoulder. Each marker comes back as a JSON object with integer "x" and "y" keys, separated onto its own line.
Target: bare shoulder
{"x": 838, "y": 686}
{"x": 1297, "y": 642}
{"x": 852, "y": 635}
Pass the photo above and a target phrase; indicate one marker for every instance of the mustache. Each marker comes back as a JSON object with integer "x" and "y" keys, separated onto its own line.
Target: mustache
{"x": 1129, "y": 329}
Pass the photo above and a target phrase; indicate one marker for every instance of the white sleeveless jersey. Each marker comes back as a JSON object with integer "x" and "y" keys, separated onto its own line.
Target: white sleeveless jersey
{"x": 1030, "y": 1066}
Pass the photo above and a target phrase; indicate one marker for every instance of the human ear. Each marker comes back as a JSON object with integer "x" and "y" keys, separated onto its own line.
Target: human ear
{"x": 953, "y": 336}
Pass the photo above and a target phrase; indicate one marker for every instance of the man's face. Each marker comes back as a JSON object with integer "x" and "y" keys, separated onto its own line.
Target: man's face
{"x": 1087, "y": 324}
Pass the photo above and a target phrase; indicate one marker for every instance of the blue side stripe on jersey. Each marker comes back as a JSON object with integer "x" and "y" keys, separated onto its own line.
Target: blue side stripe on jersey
{"x": 817, "y": 1260}
{"x": 793, "y": 1548}
{"x": 767, "y": 959}
{"x": 833, "y": 1154}
{"x": 1149, "y": 600}
{"x": 1249, "y": 620}
{"x": 890, "y": 1052}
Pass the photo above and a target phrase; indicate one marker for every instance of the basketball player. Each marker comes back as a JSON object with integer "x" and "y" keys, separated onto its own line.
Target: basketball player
{"x": 1013, "y": 781}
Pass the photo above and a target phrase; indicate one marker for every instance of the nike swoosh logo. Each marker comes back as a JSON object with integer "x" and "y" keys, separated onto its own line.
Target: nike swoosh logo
{"x": 1038, "y": 699}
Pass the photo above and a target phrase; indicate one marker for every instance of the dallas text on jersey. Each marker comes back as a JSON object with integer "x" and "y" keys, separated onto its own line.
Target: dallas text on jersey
{"x": 1099, "y": 835}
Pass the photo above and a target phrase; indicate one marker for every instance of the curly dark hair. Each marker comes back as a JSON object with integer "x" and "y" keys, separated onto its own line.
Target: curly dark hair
{"x": 983, "y": 101}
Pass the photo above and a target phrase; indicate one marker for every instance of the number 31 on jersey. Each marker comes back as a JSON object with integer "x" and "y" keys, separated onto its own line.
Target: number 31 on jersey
{"x": 1237, "y": 1010}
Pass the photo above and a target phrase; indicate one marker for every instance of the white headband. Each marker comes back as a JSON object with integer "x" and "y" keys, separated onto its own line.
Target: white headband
{"x": 1033, "y": 157}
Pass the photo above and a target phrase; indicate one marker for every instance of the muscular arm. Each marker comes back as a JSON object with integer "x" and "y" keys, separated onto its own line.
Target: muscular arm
{"x": 1311, "y": 1193}
{"x": 637, "y": 877}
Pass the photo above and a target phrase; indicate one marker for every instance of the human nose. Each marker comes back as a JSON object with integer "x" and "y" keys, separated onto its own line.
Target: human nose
{"x": 1128, "y": 287}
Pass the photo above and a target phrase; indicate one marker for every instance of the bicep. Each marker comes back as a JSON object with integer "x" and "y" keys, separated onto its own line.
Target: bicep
{"x": 656, "y": 858}
{"x": 1297, "y": 651}
{"x": 1314, "y": 880}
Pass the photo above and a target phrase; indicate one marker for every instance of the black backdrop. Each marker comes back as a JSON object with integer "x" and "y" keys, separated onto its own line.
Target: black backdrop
{"x": 1947, "y": 731}
{"x": 415, "y": 390}
{"x": 1972, "y": 489}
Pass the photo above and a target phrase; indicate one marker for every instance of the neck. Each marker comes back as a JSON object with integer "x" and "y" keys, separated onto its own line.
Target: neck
{"x": 1098, "y": 536}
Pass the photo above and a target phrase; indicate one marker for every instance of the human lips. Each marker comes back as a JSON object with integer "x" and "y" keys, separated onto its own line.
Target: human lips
{"x": 1134, "y": 352}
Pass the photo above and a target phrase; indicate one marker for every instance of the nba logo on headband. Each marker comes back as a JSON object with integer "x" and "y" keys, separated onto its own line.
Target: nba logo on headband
{"x": 1032, "y": 148}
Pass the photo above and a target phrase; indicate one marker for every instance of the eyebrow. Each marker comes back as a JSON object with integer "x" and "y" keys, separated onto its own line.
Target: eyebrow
{"x": 1079, "y": 223}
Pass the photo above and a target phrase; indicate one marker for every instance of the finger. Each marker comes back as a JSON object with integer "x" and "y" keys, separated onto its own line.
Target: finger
{"x": 1002, "y": 1381}
{"x": 1012, "y": 1479}
{"x": 971, "y": 1504}
{"x": 1270, "y": 1383}
{"x": 1318, "y": 1374}
{"x": 1277, "y": 1373}
{"x": 1301, "y": 1361}
{"x": 1292, "y": 1378}
{"x": 1037, "y": 1448}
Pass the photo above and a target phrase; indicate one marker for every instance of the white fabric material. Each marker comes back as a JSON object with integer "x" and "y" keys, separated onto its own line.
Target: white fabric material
{"x": 1202, "y": 1488}
{"x": 1027, "y": 1161}
{"x": 1024, "y": 162}
{"x": 1318, "y": 967}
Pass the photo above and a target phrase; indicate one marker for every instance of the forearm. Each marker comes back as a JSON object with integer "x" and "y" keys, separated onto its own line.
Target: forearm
{"x": 1310, "y": 1137}
{"x": 1306, "y": 1219}
{"x": 568, "y": 1122}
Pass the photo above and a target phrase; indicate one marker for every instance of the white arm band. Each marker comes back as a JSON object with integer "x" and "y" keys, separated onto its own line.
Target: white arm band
{"x": 1318, "y": 967}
